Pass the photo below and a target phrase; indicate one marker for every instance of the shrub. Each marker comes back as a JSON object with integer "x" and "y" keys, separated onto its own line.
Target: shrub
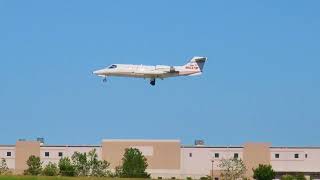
{"x": 287, "y": 177}
{"x": 34, "y": 166}
{"x": 300, "y": 177}
{"x": 264, "y": 172}
{"x": 88, "y": 164}
{"x": 291, "y": 177}
{"x": 232, "y": 168}
{"x": 66, "y": 168}
{"x": 189, "y": 178}
{"x": 81, "y": 164}
{"x": 97, "y": 168}
{"x": 205, "y": 178}
{"x": 50, "y": 169}
{"x": 4, "y": 170}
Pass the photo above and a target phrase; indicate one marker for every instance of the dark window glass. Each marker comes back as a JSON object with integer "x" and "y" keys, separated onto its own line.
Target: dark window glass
{"x": 8, "y": 154}
{"x": 277, "y": 156}
{"x": 235, "y": 155}
{"x": 46, "y": 154}
{"x": 190, "y": 154}
{"x": 60, "y": 154}
{"x": 113, "y": 66}
{"x": 216, "y": 178}
{"x": 306, "y": 155}
{"x": 296, "y": 156}
{"x": 216, "y": 155}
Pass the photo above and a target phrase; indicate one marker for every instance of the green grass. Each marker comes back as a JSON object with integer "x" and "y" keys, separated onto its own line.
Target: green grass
{"x": 58, "y": 178}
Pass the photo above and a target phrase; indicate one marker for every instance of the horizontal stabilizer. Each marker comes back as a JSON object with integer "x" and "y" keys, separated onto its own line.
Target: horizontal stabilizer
{"x": 196, "y": 74}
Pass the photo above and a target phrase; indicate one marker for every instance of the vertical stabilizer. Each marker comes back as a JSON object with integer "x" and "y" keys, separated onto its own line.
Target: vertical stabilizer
{"x": 196, "y": 63}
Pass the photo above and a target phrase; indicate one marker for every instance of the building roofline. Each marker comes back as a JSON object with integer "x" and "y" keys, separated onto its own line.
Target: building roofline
{"x": 194, "y": 146}
{"x": 7, "y": 145}
{"x": 70, "y": 146}
{"x": 141, "y": 140}
{"x": 295, "y": 147}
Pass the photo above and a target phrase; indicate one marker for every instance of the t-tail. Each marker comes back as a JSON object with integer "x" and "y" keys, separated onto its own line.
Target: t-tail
{"x": 196, "y": 64}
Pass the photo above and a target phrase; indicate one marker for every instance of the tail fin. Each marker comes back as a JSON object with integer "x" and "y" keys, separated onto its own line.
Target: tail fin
{"x": 196, "y": 63}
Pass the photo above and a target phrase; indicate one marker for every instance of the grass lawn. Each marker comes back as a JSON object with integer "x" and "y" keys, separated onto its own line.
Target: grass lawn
{"x": 57, "y": 178}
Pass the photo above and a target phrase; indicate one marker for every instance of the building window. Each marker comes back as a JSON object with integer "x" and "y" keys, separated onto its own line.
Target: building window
{"x": 235, "y": 155}
{"x": 46, "y": 154}
{"x": 277, "y": 156}
{"x": 190, "y": 154}
{"x": 306, "y": 156}
{"x": 8, "y": 154}
{"x": 60, "y": 154}
{"x": 216, "y": 155}
{"x": 296, "y": 156}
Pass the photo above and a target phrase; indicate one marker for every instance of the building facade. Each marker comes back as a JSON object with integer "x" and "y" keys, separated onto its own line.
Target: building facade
{"x": 168, "y": 158}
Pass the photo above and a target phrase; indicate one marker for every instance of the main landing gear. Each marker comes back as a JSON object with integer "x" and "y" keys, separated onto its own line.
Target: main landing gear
{"x": 153, "y": 81}
{"x": 104, "y": 79}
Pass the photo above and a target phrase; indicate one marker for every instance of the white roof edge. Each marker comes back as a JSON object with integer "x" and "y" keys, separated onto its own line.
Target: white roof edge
{"x": 141, "y": 140}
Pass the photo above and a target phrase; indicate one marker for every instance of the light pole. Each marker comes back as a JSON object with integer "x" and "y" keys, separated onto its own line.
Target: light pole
{"x": 212, "y": 161}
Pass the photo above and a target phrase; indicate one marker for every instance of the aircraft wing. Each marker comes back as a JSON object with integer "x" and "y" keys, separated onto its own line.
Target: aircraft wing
{"x": 155, "y": 72}
{"x": 166, "y": 69}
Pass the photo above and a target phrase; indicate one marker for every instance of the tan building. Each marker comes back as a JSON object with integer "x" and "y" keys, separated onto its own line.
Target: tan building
{"x": 168, "y": 158}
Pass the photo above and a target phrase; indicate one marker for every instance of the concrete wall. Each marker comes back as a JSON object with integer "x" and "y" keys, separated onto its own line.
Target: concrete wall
{"x": 197, "y": 161}
{"x": 67, "y": 151}
{"x": 163, "y": 156}
{"x": 255, "y": 154}
{"x": 308, "y": 161}
{"x": 10, "y": 160}
{"x": 24, "y": 149}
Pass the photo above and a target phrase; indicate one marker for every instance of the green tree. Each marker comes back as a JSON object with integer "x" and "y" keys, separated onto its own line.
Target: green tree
{"x": 66, "y": 168}
{"x": 134, "y": 164}
{"x": 34, "y": 166}
{"x": 81, "y": 164}
{"x": 264, "y": 172}
{"x": 50, "y": 169}
{"x": 4, "y": 170}
{"x": 232, "y": 168}
{"x": 88, "y": 164}
{"x": 97, "y": 168}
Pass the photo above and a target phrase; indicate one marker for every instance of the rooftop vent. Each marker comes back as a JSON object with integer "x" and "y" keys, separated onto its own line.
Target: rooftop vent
{"x": 199, "y": 142}
{"x": 41, "y": 140}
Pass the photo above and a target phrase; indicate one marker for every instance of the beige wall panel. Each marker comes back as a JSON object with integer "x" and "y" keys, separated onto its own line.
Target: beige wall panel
{"x": 24, "y": 149}
{"x": 165, "y": 154}
{"x": 255, "y": 154}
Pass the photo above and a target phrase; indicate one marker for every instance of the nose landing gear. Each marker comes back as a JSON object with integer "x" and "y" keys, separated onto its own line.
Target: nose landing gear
{"x": 153, "y": 81}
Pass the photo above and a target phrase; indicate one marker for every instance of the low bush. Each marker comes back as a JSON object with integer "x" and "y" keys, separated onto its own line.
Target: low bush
{"x": 50, "y": 169}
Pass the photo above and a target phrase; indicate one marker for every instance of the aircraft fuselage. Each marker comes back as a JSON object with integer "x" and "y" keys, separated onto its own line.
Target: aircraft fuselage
{"x": 194, "y": 67}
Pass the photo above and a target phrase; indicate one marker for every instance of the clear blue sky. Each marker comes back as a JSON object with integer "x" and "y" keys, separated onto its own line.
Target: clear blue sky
{"x": 261, "y": 82}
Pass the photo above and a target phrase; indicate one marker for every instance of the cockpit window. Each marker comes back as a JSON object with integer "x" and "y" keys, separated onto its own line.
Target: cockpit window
{"x": 113, "y": 66}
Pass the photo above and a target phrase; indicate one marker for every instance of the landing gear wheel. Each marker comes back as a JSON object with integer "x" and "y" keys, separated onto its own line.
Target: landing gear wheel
{"x": 153, "y": 82}
{"x": 104, "y": 79}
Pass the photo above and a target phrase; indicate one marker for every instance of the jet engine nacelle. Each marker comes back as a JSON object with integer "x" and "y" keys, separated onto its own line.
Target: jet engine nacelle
{"x": 165, "y": 68}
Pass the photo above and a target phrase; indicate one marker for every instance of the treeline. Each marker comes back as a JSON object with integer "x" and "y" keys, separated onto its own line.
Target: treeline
{"x": 134, "y": 165}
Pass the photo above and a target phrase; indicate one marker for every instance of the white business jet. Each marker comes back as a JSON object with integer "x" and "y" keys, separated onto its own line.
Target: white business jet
{"x": 193, "y": 68}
